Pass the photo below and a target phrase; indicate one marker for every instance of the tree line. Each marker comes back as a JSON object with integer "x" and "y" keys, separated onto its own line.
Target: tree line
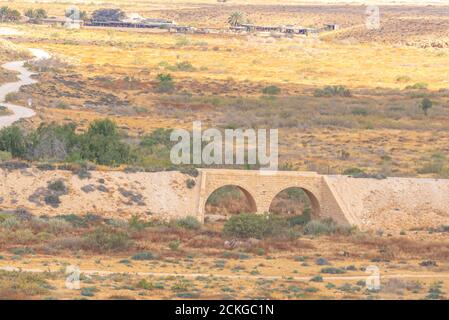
{"x": 101, "y": 143}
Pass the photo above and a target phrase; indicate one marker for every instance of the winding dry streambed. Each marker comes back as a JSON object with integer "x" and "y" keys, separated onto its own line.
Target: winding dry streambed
{"x": 18, "y": 112}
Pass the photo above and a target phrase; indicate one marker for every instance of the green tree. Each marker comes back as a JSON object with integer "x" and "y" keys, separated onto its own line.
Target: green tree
{"x": 81, "y": 15}
{"x": 13, "y": 141}
{"x": 36, "y": 14}
{"x": 165, "y": 82}
{"x": 159, "y": 136}
{"x": 102, "y": 144}
{"x": 41, "y": 13}
{"x": 425, "y": 105}
{"x": 108, "y": 15}
{"x": 9, "y": 15}
{"x": 29, "y": 13}
{"x": 52, "y": 142}
{"x": 236, "y": 18}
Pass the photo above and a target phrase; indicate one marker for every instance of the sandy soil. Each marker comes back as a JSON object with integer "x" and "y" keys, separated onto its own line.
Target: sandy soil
{"x": 113, "y": 194}
{"x": 395, "y": 204}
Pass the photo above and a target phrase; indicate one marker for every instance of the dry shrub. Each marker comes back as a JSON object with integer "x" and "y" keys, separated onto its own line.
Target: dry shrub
{"x": 397, "y": 286}
{"x": 54, "y": 226}
{"x": 167, "y": 233}
{"x": 204, "y": 241}
{"x": 70, "y": 243}
{"x": 397, "y": 247}
{"x": 106, "y": 239}
{"x": 16, "y": 285}
{"x": 292, "y": 245}
{"x": 24, "y": 236}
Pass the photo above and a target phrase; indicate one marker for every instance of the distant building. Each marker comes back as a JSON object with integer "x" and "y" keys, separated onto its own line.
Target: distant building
{"x": 133, "y": 18}
{"x": 238, "y": 29}
{"x": 308, "y": 31}
{"x": 331, "y": 27}
{"x": 254, "y": 27}
{"x": 181, "y": 29}
{"x": 290, "y": 29}
{"x": 59, "y": 22}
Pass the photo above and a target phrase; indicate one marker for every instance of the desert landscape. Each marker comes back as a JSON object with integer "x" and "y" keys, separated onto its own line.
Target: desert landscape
{"x": 92, "y": 207}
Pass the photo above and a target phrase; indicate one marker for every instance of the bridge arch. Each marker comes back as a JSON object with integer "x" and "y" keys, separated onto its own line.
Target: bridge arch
{"x": 249, "y": 207}
{"x": 313, "y": 199}
{"x": 262, "y": 187}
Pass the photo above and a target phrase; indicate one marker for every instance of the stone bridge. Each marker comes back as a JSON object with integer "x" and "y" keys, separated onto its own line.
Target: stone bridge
{"x": 261, "y": 187}
{"x": 391, "y": 204}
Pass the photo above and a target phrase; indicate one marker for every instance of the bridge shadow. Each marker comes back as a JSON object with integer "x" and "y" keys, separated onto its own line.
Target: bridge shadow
{"x": 228, "y": 200}
{"x": 295, "y": 201}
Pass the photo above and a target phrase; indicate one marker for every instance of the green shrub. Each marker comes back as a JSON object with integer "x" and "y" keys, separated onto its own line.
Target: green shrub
{"x": 5, "y": 156}
{"x": 174, "y": 245}
{"x": 247, "y": 226}
{"x": 435, "y": 292}
{"x": 13, "y": 141}
{"x": 52, "y": 200}
{"x": 138, "y": 224}
{"x": 324, "y": 226}
{"x": 57, "y": 185}
{"x": 437, "y": 164}
{"x": 144, "y": 284}
{"x": 189, "y": 222}
{"x": 157, "y": 137}
{"x": 331, "y": 91}
{"x": 10, "y": 223}
{"x": 182, "y": 41}
{"x": 271, "y": 90}
{"x": 101, "y": 144}
{"x": 191, "y": 171}
{"x": 106, "y": 239}
{"x": 36, "y": 13}
{"x": 185, "y": 66}
{"x": 353, "y": 171}
{"x": 425, "y": 105}
{"x": 62, "y": 105}
{"x": 145, "y": 255}
{"x": 359, "y": 111}
{"x": 300, "y": 219}
{"x": 165, "y": 83}
{"x": 22, "y": 283}
{"x": 333, "y": 270}
{"x": 190, "y": 183}
{"x": 73, "y": 219}
{"x": 88, "y": 291}
{"x": 403, "y": 79}
{"x": 317, "y": 278}
{"x": 259, "y": 226}
{"x": 418, "y": 85}
{"x": 9, "y": 15}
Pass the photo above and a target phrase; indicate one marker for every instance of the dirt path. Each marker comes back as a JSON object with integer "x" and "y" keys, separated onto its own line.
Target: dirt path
{"x": 19, "y": 112}
{"x": 230, "y": 276}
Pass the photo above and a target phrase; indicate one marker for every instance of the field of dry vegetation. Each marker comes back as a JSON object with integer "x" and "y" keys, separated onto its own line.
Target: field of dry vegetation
{"x": 378, "y": 126}
{"x": 134, "y": 259}
{"x": 345, "y": 101}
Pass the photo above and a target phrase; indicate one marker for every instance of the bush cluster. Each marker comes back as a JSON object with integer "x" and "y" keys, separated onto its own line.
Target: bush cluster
{"x": 332, "y": 91}
{"x": 101, "y": 143}
{"x": 275, "y": 226}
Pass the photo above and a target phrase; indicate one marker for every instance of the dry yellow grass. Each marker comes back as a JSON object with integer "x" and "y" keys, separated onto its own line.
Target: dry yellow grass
{"x": 292, "y": 62}
{"x": 242, "y": 66}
